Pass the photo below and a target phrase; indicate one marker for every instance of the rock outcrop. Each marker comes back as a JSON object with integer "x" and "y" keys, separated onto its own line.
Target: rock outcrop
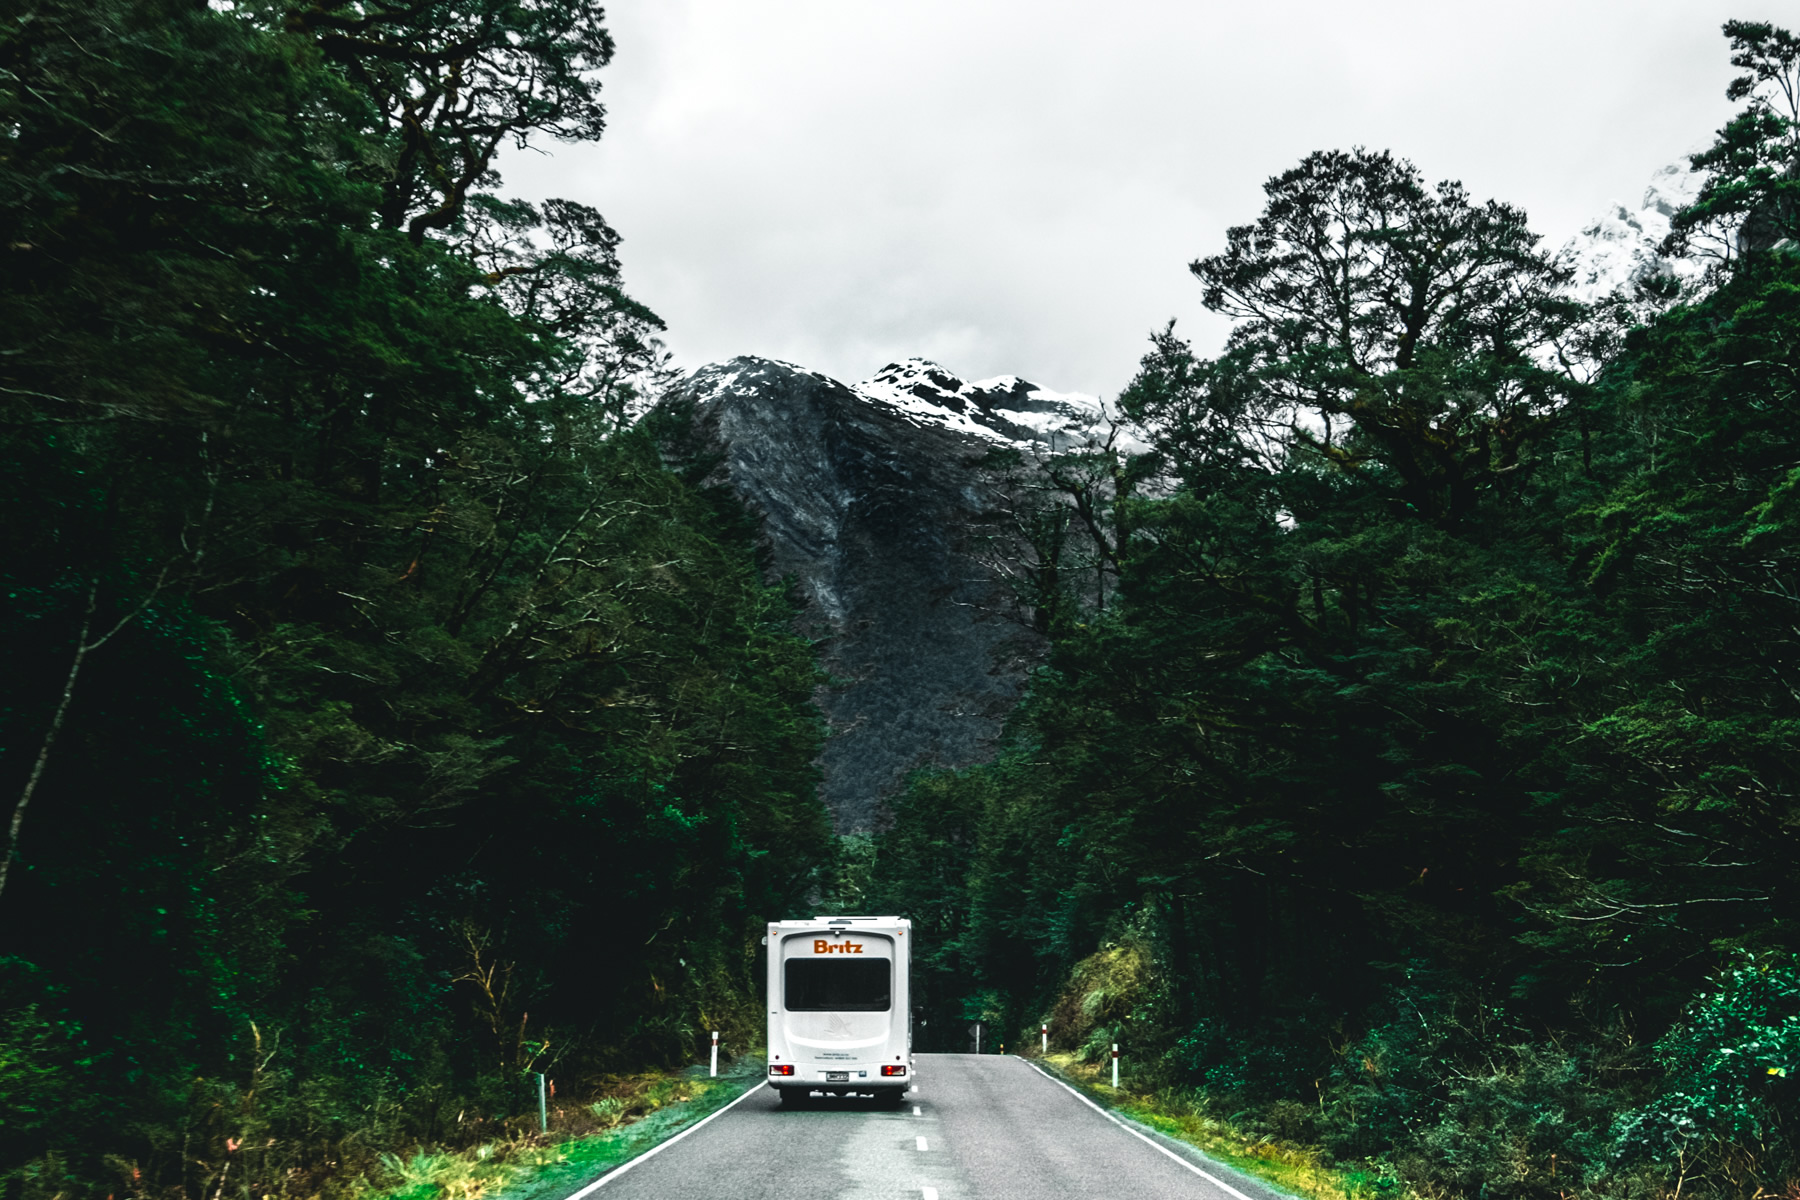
{"x": 873, "y": 502}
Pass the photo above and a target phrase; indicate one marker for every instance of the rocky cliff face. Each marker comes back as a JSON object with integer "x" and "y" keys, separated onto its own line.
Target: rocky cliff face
{"x": 872, "y": 501}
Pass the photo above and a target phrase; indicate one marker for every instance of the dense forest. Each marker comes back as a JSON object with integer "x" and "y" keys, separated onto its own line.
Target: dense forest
{"x": 391, "y": 709}
{"x": 386, "y": 713}
{"x": 1420, "y": 781}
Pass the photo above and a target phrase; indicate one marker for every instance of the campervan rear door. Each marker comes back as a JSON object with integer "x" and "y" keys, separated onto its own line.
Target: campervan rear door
{"x": 838, "y": 994}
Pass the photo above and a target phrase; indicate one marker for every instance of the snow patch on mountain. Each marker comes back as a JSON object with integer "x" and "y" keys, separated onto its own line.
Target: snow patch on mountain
{"x": 741, "y": 374}
{"x": 1005, "y": 410}
{"x": 1619, "y": 250}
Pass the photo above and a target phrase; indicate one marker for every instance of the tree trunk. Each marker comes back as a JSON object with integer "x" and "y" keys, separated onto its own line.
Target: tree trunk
{"x": 56, "y": 723}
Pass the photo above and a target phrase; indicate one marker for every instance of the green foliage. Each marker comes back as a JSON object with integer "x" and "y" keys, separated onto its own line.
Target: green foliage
{"x": 1727, "y": 1103}
{"x": 1105, "y": 990}
{"x": 28, "y": 1072}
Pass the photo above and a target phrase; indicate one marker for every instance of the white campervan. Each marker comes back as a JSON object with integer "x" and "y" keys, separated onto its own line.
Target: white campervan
{"x": 840, "y": 1007}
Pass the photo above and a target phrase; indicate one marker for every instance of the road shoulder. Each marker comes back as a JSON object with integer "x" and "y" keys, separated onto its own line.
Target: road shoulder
{"x": 589, "y": 1162}
{"x": 1234, "y": 1181}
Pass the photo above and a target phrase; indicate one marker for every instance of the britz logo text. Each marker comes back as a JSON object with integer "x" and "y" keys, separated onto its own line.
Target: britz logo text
{"x": 821, "y": 946}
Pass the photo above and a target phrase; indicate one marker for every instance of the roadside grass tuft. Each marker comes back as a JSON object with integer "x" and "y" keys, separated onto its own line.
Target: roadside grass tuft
{"x": 630, "y": 1114}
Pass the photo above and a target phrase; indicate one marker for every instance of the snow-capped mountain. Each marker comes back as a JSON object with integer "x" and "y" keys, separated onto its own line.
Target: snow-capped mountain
{"x": 1005, "y": 410}
{"x": 876, "y": 506}
{"x": 1619, "y": 250}
{"x": 879, "y": 504}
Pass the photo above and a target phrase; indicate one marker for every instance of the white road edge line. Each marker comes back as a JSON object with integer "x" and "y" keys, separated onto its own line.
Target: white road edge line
{"x": 661, "y": 1146}
{"x": 1210, "y": 1178}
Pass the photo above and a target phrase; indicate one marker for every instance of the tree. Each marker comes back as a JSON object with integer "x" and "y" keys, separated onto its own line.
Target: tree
{"x": 1751, "y": 198}
{"x": 453, "y": 81}
{"x": 1393, "y": 324}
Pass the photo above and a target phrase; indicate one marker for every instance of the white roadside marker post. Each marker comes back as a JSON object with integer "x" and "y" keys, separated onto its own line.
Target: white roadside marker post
{"x": 978, "y": 1037}
{"x": 543, "y": 1109}
{"x": 1115, "y": 1066}
{"x": 1045, "y": 1031}
{"x": 715, "y": 1052}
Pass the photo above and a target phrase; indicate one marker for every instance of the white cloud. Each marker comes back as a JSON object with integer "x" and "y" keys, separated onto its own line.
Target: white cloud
{"x": 1016, "y": 186}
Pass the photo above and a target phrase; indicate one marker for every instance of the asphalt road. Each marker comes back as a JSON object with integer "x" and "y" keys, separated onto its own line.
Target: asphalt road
{"x": 975, "y": 1128}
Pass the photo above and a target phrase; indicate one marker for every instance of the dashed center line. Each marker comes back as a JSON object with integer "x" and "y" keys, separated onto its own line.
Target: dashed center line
{"x": 922, "y": 1144}
{"x": 917, "y": 1112}
{"x": 929, "y": 1193}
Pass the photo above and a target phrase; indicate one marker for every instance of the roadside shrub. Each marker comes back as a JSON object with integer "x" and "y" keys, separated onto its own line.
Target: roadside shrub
{"x": 1103, "y": 991}
{"x": 1530, "y": 1123}
{"x": 1281, "y": 1058}
{"x": 1729, "y": 1107}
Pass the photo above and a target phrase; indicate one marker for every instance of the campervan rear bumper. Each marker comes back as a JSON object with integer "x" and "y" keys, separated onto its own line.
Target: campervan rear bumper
{"x": 844, "y": 1077}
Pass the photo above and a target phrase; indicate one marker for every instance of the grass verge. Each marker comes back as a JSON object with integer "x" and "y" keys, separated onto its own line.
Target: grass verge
{"x": 631, "y": 1115}
{"x": 1304, "y": 1171}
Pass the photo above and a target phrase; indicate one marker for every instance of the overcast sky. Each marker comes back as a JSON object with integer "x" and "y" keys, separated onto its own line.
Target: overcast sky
{"x": 1017, "y": 186}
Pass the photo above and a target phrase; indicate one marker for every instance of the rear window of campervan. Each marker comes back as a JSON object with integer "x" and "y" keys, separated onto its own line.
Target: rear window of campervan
{"x": 838, "y": 985}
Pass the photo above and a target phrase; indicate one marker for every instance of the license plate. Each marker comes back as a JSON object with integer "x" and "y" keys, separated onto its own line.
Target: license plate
{"x": 837, "y": 1077}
